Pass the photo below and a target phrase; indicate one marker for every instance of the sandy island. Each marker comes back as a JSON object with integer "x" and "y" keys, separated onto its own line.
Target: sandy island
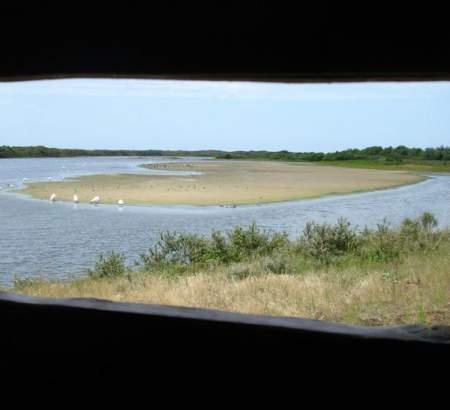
{"x": 223, "y": 183}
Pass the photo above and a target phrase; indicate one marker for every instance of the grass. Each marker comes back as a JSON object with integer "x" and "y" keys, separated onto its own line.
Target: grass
{"x": 337, "y": 273}
{"x": 412, "y": 166}
{"x": 222, "y": 183}
{"x": 414, "y": 291}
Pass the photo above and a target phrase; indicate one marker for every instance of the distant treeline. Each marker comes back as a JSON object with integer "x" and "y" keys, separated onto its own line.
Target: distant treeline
{"x": 42, "y": 152}
{"x": 388, "y": 154}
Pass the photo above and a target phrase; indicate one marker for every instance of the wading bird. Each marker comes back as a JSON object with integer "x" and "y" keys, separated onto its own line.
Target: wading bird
{"x": 95, "y": 200}
{"x": 75, "y": 198}
{"x": 53, "y": 197}
{"x": 120, "y": 202}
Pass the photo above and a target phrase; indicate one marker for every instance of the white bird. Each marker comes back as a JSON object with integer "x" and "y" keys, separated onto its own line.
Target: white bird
{"x": 53, "y": 197}
{"x": 24, "y": 179}
{"x": 95, "y": 200}
{"x": 120, "y": 202}
{"x": 75, "y": 198}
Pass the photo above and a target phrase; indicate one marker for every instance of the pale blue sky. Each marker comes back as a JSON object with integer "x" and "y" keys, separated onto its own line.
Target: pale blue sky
{"x": 157, "y": 114}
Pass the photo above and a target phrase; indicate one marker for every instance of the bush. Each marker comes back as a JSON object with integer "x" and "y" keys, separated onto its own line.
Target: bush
{"x": 380, "y": 245}
{"x": 387, "y": 244}
{"x": 428, "y": 221}
{"x": 175, "y": 248}
{"x": 109, "y": 265}
{"x": 252, "y": 241}
{"x": 325, "y": 242}
{"x": 235, "y": 246}
{"x": 319, "y": 244}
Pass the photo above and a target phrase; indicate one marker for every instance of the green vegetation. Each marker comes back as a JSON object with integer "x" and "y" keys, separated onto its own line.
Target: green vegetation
{"x": 389, "y": 158}
{"x": 41, "y": 151}
{"x": 108, "y": 266}
{"x": 234, "y": 246}
{"x": 334, "y": 272}
{"x": 388, "y": 155}
{"x": 405, "y": 165}
{"x": 320, "y": 245}
{"x": 401, "y": 157}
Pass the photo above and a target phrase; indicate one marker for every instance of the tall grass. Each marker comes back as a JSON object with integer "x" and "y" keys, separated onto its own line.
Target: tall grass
{"x": 336, "y": 272}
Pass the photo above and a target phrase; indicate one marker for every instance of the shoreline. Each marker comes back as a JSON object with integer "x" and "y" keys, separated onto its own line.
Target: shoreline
{"x": 243, "y": 184}
{"x": 19, "y": 194}
{"x": 277, "y": 277}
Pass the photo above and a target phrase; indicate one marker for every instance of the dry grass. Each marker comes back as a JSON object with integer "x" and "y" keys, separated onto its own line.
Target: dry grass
{"x": 415, "y": 291}
{"x": 224, "y": 182}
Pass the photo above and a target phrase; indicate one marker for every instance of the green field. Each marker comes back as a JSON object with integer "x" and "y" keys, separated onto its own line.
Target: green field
{"x": 414, "y": 166}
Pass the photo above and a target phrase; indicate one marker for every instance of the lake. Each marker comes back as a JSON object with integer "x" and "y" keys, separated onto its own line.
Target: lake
{"x": 62, "y": 240}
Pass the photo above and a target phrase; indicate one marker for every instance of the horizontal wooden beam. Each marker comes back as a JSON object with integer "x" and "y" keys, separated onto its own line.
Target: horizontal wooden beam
{"x": 74, "y": 324}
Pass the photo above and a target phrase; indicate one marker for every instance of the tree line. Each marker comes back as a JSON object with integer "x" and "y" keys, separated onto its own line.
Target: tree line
{"x": 40, "y": 151}
{"x": 389, "y": 154}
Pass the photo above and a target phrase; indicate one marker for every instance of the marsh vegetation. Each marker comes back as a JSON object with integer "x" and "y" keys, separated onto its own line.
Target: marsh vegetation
{"x": 333, "y": 272}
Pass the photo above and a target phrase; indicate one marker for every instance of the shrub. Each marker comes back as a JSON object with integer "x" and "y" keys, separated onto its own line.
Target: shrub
{"x": 380, "y": 245}
{"x": 253, "y": 241}
{"x": 418, "y": 235}
{"x": 108, "y": 265}
{"x": 319, "y": 243}
{"x": 428, "y": 221}
{"x": 387, "y": 244}
{"x": 175, "y": 248}
{"x": 235, "y": 246}
{"x": 325, "y": 242}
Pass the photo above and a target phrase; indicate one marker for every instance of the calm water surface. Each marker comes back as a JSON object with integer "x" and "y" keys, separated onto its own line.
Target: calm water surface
{"x": 61, "y": 240}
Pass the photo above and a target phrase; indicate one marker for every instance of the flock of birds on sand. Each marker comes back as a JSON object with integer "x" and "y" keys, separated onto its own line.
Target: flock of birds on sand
{"x": 95, "y": 200}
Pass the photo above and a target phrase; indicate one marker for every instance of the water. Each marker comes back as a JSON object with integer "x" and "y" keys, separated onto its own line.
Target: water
{"x": 61, "y": 240}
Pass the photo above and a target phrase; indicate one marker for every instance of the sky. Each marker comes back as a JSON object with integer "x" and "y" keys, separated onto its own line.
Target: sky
{"x": 192, "y": 115}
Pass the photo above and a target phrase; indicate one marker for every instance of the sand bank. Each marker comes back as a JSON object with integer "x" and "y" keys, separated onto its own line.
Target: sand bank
{"x": 223, "y": 183}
